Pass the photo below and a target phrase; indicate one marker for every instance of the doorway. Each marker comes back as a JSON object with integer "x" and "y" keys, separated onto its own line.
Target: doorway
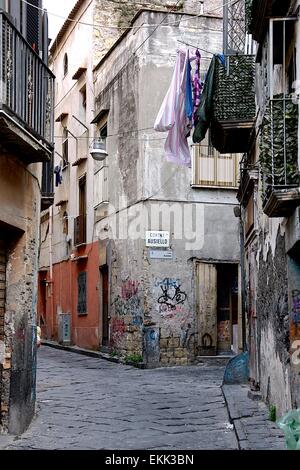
{"x": 104, "y": 305}
{"x": 227, "y": 308}
{"x": 217, "y": 308}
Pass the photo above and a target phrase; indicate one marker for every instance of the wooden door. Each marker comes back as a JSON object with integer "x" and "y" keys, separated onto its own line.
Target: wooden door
{"x": 206, "y": 292}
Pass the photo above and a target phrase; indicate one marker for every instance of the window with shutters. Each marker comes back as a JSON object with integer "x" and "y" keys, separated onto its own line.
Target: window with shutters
{"x": 65, "y": 147}
{"x": 82, "y": 303}
{"x": 66, "y": 64}
{"x": 33, "y": 23}
{"x": 213, "y": 169}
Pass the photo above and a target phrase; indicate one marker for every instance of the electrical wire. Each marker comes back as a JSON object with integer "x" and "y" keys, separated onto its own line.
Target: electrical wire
{"x": 71, "y": 20}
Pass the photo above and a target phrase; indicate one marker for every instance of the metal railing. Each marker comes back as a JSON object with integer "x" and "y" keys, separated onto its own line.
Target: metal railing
{"x": 211, "y": 168}
{"x": 26, "y": 83}
{"x": 80, "y": 230}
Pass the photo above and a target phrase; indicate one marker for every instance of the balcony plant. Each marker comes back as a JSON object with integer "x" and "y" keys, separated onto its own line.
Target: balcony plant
{"x": 279, "y": 144}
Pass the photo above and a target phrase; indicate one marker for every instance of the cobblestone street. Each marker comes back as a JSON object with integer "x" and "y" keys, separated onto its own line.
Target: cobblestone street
{"x": 90, "y": 403}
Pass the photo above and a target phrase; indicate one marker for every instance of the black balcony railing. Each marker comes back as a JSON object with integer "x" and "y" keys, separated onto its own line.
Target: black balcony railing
{"x": 80, "y": 230}
{"x": 279, "y": 157}
{"x": 26, "y": 85}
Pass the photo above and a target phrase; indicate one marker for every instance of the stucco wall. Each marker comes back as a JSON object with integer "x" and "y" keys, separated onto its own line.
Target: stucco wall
{"x": 20, "y": 208}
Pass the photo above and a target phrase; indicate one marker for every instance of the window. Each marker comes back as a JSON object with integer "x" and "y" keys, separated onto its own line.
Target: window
{"x": 82, "y": 103}
{"x": 81, "y": 284}
{"x": 66, "y": 65}
{"x": 249, "y": 215}
{"x": 103, "y": 133}
{"x": 65, "y": 223}
{"x": 65, "y": 147}
{"x": 213, "y": 169}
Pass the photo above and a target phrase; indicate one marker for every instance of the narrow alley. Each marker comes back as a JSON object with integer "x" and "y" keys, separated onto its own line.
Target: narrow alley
{"x": 89, "y": 403}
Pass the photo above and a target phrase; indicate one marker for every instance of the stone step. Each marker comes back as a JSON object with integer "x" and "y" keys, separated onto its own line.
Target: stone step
{"x": 219, "y": 360}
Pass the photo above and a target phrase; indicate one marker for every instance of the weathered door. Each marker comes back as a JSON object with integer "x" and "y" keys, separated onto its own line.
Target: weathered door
{"x": 2, "y": 307}
{"x": 105, "y": 322}
{"x": 206, "y": 276}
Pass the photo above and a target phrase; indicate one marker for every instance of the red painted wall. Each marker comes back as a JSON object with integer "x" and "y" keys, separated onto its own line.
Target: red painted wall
{"x": 62, "y": 295}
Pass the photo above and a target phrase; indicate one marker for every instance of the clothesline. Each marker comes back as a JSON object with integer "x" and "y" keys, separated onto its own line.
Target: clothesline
{"x": 196, "y": 47}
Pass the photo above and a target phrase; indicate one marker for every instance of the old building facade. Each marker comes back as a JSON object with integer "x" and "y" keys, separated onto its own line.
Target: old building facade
{"x": 26, "y": 146}
{"x": 270, "y": 199}
{"x": 166, "y": 305}
{"x": 79, "y": 284}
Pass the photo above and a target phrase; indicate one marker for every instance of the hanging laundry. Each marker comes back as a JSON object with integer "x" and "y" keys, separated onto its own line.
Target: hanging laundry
{"x": 58, "y": 175}
{"x": 197, "y": 87}
{"x": 205, "y": 110}
{"x": 189, "y": 96}
{"x": 172, "y": 114}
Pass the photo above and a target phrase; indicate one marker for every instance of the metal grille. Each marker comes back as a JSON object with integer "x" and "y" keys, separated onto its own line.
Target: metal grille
{"x": 26, "y": 84}
{"x": 234, "y": 27}
{"x": 81, "y": 306}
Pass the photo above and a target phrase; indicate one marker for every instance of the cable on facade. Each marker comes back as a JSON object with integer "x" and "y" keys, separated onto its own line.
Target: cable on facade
{"x": 66, "y": 18}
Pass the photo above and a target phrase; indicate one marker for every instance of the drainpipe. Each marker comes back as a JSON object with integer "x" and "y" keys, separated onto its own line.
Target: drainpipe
{"x": 243, "y": 281}
{"x": 51, "y": 265}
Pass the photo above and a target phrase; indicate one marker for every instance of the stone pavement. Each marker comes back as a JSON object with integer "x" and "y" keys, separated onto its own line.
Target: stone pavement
{"x": 90, "y": 403}
{"x": 251, "y": 421}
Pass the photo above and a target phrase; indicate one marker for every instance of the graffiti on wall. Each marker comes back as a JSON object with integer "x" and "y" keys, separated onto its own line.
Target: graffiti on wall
{"x": 171, "y": 295}
{"x": 295, "y": 314}
{"x": 118, "y": 329}
{"x": 176, "y": 318}
{"x": 129, "y": 289}
{"x": 129, "y": 302}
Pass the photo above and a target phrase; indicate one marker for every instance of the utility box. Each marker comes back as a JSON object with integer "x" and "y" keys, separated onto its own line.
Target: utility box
{"x": 64, "y": 328}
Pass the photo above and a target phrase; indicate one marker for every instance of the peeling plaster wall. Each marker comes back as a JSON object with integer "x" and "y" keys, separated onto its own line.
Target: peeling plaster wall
{"x": 273, "y": 277}
{"x": 18, "y": 392}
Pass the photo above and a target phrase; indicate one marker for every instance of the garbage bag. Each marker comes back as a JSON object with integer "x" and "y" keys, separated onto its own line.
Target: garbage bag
{"x": 290, "y": 424}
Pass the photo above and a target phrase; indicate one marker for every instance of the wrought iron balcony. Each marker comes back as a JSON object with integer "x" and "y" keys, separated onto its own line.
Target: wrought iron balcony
{"x": 279, "y": 157}
{"x": 233, "y": 112}
{"x": 26, "y": 97}
{"x": 80, "y": 230}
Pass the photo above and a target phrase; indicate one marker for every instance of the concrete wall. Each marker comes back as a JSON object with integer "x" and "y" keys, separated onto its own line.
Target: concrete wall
{"x": 19, "y": 228}
{"x": 147, "y": 193}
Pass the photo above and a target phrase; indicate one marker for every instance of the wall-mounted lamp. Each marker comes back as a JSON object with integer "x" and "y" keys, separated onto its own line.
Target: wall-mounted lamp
{"x": 98, "y": 151}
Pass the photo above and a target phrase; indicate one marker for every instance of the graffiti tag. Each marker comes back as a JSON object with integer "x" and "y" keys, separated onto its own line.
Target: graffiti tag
{"x": 170, "y": 298}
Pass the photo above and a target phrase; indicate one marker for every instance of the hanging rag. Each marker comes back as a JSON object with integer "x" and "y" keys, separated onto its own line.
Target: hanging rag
{"x": 197, "y": 87}
{"x": 58, "y": 176}
{"x": 205, "y": 111}
{"x": 172, "y": 114}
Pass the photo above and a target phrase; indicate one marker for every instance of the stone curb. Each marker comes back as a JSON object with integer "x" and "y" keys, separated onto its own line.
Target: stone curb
{"x": 90, "y": 353}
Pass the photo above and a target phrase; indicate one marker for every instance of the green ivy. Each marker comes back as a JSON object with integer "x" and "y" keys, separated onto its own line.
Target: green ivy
{"x": 272, "y": 137}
